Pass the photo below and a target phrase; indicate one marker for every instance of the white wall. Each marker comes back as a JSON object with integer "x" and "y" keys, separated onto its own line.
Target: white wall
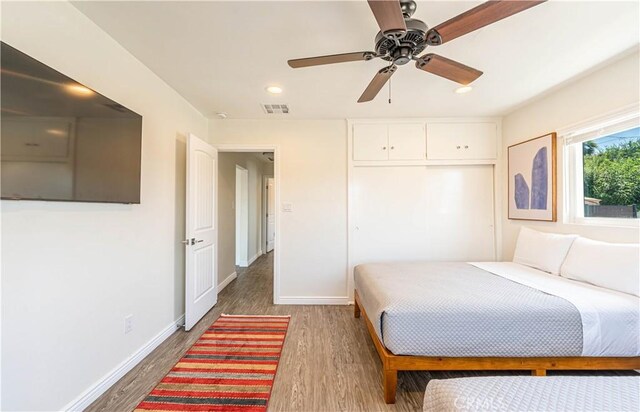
{"x": 605, "y": 90}
{"x": 227, "y": 208}
{"x": 71, "y": 272}
{"x": 313, "y": 177}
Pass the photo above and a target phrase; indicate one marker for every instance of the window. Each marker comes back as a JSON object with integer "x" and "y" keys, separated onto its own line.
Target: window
{"x": 602, "y": 172}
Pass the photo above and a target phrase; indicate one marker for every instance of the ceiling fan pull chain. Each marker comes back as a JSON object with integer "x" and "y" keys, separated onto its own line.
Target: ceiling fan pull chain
{"x": 389, "y": 91}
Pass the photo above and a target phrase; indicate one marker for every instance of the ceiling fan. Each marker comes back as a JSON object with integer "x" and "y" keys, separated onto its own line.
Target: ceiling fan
{"x": 401, "y": 39}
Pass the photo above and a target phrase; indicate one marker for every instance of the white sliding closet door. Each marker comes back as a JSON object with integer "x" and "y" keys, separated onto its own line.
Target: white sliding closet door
{"x": 409, "y": 213}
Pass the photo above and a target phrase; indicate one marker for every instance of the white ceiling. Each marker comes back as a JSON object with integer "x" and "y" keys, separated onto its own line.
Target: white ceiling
{"x": 221, "y": 55}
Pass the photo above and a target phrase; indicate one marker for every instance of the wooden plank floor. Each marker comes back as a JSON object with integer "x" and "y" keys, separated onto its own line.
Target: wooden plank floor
{"x": 328, "y": 363}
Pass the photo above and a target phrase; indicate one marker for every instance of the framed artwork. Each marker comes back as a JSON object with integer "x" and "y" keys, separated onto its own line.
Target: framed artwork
{"x": 532, "y": 179}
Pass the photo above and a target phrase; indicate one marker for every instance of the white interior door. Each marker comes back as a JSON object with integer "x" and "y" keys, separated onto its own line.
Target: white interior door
{"x": 201, "y": 231}
{"x": 271, "y": 214}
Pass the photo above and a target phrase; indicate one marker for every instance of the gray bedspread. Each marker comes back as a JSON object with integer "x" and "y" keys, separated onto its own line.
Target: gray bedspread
{"x": 458, "y": 310}
{"x": 526, "y": 393}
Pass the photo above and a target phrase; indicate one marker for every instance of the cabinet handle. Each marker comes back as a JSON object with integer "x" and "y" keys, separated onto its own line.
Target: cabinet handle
{"x": 457, "y": 147}
{"x": 392, "y": 147}
{"x": 384, "y": 147}
{"x": 466, "y": 147}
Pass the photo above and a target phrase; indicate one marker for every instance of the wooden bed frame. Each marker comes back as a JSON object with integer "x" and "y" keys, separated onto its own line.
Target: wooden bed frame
{"x": 391, "y": 363}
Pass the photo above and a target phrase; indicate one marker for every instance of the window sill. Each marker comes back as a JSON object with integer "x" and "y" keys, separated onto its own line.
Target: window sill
{"x": 606, "y": 223}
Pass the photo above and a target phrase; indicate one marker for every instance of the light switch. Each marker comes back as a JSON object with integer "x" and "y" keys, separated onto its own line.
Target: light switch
{"x": 287, "y": 207}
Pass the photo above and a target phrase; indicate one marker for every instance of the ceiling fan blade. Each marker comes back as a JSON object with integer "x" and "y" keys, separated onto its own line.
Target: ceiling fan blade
{"x": 378, "y": 81}
{"x": 330, "y": 59}
{"x": 447, "y": 68}
{"x": 389, "y": 16}
{"x": 477, "y": 17}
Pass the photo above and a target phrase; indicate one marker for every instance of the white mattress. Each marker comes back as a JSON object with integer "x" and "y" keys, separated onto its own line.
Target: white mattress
{"x": 610, "y": 319}
{"x": 455, "y": 309}
{"x": 528, "y": 393}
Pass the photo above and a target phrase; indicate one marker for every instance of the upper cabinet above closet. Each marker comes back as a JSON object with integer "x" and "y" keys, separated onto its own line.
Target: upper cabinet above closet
{"x": 428, "y": 142}
{"x": 460, "y": 141}
{"x": 398, "y": 141}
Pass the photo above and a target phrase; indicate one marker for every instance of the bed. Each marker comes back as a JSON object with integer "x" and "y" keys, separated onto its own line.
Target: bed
{"x": 492, "y": 316}
{"x": 527, "y": 393}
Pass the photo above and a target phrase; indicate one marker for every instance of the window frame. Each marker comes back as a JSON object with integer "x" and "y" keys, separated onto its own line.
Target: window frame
{"x": 573, "y": 173}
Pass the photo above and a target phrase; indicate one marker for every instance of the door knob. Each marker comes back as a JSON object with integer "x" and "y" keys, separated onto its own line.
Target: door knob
{"x": 191, "y": 241}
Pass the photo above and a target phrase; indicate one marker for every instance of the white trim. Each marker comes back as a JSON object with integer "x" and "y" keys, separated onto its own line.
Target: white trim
{"x": 314, "y": 300}
{"x": 572, "y": 137}
{"x": 427, "y": 162}
{"x": 241, "y": 205}
{"x": 276, "y": 174}
{"x": 254, "y": 258}
{"x": 619, "y": 115}
{"x": 226, "y": 281}
{"x": 92, "y": 393}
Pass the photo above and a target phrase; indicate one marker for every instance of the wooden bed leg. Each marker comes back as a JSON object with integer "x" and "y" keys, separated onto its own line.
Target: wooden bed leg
{"x": 356, "y": 309}
{"x": 390, "y": 382}
{"x": 539, "y": 372}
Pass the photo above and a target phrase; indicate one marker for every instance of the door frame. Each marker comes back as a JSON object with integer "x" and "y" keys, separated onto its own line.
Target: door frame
{"x": 265, "y": 205}
{"x": 242, "y": 214}
{"x": 244, "y": 148}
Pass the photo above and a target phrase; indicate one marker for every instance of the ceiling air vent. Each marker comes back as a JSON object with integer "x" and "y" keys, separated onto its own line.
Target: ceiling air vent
{"x": 275, "y": 108}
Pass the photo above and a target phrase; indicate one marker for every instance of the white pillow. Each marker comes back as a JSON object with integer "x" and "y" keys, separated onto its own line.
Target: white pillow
{"x": 613, "y": 266}
{"x": 540, "y": 250}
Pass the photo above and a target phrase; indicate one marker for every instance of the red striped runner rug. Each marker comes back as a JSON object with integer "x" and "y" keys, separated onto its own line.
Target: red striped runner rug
{"x": 230, "y": 368}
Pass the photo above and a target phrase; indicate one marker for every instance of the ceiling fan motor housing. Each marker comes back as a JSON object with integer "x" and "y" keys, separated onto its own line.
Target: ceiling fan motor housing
{"x": 401, "y": 50}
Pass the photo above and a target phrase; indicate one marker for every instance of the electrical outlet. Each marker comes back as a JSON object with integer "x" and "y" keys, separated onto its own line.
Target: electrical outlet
{"x": 128, "y": 324}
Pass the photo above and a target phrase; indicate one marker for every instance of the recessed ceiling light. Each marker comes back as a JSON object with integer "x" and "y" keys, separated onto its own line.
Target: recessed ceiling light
{"x": 57, "y": 132}
{"x": 79, "y": 90}
{"x": 464, "y": 89}
{"x": 274, "y": 89}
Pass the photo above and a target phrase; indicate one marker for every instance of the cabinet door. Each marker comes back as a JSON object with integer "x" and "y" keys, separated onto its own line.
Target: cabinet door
{"x": 422, "y": 213}
{"x": 370, "y": 142}
{"x": 460, "y": 141}
{"x": 407, "y": 141}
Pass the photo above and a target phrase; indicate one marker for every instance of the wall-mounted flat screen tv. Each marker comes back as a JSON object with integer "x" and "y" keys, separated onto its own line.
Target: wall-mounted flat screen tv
{"x": 63, "y": 141}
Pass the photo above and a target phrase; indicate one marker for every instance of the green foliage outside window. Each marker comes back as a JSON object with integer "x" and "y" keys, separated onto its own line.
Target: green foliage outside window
{"x": 612, "y": 173}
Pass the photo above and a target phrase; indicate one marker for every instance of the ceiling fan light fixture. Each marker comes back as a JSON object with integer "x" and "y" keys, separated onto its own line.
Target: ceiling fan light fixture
{"x": 274, "y": 89}
{"x": 402, "y": 39}
{"x": 464, "y": 89}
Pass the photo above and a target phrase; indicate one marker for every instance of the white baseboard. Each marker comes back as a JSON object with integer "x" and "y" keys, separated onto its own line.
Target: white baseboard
{"x": 256, "y": 256}
{"x": 313, "y": 300}
{"x": 226, "y": 281}
{"x": 90, "y": 395}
